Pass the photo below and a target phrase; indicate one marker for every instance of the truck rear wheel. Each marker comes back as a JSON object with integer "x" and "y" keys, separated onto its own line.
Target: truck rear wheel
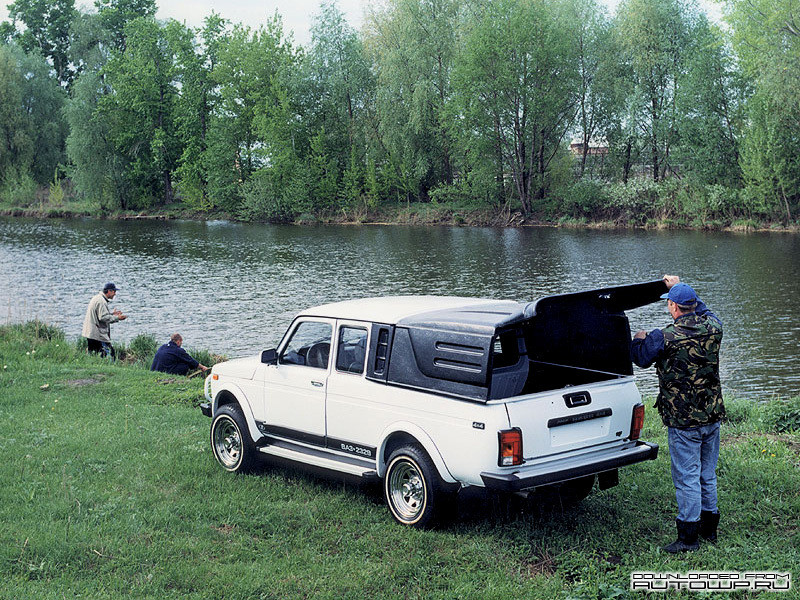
{"x": 412, "y": 487}
{"x": 230, "y": 440}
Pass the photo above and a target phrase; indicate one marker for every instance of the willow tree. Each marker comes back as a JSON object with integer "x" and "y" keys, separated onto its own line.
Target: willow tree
{"x": 710, "y": 105}
{"x": 413, "y": 43}
{"x": 335, "y": 87}
{"x": 46, "y": 26}
{"x": 517, "y": 84}
{"x": 32, "y": 126}
{"x": 655, "y": 36}
{"x": 140, "y": 110}
{"x": 596, "y": 98}
{"x": 767, "y": 38}
{"x": 16, "y": 135}
{"x": 248, "y": 62}
{"x": 195, "y": 105}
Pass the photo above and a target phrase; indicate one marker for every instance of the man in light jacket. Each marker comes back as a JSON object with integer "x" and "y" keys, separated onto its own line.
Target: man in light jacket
{"x": 97, "y": 324}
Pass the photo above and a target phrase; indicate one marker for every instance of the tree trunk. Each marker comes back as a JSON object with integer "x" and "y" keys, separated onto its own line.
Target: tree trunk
{"x": 540, "y": 167}
{"x": 167, "y": 187}
{"x": 786, "y": 204}
{"x": 626, "y": 167}
{"x": 654, "y": 139}
{"x": 583, "y": 156}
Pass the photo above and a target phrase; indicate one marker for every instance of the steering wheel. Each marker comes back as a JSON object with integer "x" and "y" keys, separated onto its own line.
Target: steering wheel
{"x": 318, "y": 354}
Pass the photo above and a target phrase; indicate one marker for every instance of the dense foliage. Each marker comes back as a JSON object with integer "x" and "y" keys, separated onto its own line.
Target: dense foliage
{"x": 553, "y": 108}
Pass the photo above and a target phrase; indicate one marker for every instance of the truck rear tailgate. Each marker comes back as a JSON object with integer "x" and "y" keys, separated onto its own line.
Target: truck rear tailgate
{"x": 573, "y": 418}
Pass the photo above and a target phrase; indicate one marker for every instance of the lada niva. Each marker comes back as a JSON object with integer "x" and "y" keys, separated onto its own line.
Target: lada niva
{"x": 431, "y": 394}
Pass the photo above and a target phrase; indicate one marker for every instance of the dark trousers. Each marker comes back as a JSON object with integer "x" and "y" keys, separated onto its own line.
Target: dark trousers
{"x": 102, "y": 348}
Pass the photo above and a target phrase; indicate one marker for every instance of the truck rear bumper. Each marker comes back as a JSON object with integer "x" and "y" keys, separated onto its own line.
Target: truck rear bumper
{"x": 557, "y": 471}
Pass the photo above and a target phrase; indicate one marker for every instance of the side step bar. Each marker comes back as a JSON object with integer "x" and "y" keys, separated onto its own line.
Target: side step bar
{"x": 318, "y": 458}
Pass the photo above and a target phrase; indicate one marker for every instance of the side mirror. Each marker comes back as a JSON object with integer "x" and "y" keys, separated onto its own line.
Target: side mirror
{"x": 269, "y": 357}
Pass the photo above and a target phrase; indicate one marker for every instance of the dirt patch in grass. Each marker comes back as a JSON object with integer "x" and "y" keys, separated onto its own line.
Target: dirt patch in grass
{"x": 541, "y": 565}
{"x": 223, "y": 529}
{"x": 98, "y": 378}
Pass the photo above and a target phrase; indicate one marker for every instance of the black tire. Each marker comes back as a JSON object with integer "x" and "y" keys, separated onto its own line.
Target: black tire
{"x": 231, "y": 442}
{"x": 412, "y": 488}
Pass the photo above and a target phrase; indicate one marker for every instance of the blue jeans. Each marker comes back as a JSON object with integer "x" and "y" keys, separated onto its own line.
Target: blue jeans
{"x": 693, "y": 453}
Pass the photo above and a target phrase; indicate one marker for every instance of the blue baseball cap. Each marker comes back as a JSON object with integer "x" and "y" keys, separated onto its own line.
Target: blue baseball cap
{"x": 681, "y": 293}
{"x": 110, "y": 286}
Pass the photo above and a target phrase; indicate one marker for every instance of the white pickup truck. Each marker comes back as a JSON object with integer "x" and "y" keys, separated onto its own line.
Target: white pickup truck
{"x": 432, "y": 394}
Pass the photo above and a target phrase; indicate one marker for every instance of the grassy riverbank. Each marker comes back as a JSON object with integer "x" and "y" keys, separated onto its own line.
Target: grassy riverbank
{"x": 461, "y": 214}
{"x": 108, "y": 489}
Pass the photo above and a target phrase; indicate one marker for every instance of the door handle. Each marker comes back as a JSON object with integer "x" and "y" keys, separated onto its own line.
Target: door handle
{"x": 317, "y": 383}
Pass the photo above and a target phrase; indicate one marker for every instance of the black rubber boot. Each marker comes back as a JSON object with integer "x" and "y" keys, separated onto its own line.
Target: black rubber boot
{"x": 687, "y": 537}
{"x": 708, "y": 526}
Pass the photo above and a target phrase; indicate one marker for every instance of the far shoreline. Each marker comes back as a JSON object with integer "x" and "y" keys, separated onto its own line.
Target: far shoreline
{"x": 414, "y": 214}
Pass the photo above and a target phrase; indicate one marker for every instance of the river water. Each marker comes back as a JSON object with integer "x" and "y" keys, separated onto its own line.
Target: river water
{"x": 233, "y": 288}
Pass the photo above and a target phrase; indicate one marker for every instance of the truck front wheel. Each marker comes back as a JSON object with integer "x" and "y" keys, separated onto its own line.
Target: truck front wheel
{"x": 412, "y": 487}
{"x": 230, "y": 440}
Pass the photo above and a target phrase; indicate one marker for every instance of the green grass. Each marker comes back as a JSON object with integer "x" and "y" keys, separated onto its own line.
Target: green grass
{"x": 108, "y": 489}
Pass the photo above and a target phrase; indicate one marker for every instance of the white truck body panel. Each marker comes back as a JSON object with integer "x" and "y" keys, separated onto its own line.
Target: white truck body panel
{"x": 345, "y": 417}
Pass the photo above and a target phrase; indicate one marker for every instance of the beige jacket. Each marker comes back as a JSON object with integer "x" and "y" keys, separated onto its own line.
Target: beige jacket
{"x": 97, "y": 324}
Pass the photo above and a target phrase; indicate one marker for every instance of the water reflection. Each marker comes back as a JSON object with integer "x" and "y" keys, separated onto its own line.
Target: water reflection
{"x": 233, "y": 287}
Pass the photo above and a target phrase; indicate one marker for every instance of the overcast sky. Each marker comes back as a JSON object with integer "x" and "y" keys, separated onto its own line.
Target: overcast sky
{"x": 297, "y": 14}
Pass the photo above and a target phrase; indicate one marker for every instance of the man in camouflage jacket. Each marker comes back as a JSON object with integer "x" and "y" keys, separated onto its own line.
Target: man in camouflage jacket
{"x": 686, "y": 355}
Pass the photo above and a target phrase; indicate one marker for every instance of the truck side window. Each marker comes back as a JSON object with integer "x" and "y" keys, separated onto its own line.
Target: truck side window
{"x": 352, "y": 351}
{"x": 310, "y": 345}
{"x": 381, "y": 351}
{"x": 510, "y": 367}
{"x": 505, "y": 351}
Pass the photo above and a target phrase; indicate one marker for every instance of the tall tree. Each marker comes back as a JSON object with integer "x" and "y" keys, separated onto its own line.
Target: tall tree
{"x": 767, "y": 38}
{"x": 16, "y": 135}
{"x": 414, "y": 44}
{"x": 710, "y": 107}
{"x": 47, "y": 24}
{"x": 33, "y": 125}
{"x": 140, "y": 111}
{"x": 96, "y": 168}
{"x": 595, "y": 84}
{"x": 115, "y": 15}
{"x": 249, "y": 63}
{"x": 334, "y": 90}
{"x": 622, "y": 105}
{"x": 655, "y": 35}
{"x": 518, "y": 83}
{"x": 197, "y": 99}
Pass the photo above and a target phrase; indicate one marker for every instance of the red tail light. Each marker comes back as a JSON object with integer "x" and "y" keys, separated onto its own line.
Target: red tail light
{"x": 637, "y": 421}
{"x": 510, "y": 447}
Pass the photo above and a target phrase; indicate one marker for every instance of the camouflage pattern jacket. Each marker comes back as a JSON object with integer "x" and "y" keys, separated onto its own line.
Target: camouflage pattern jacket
{"x": 686, "y": 355}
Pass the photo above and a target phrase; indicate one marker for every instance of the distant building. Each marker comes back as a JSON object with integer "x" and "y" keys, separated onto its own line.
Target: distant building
{"x": 594, "y": 166}
{"x": 577, "y": 149}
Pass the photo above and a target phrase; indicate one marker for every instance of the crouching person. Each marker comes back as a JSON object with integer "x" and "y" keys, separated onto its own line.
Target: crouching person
{"x": 171, "y": 358}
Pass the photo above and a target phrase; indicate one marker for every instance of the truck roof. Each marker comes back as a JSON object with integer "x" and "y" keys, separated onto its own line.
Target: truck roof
{"x": 424, "y": 311}
{"x": 450, "y": 343}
